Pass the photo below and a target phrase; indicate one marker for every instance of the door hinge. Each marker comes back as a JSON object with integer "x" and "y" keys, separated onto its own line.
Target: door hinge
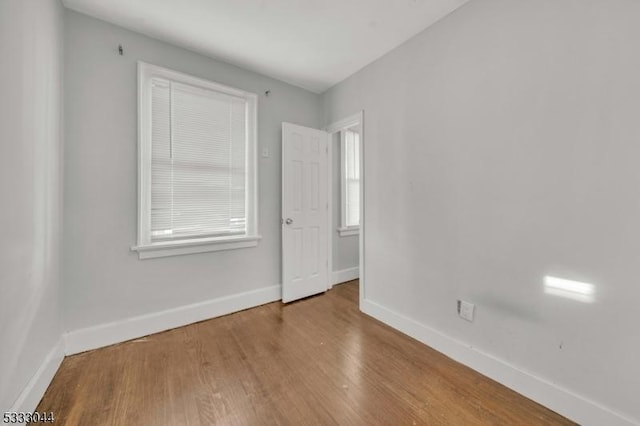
{"x": 281, "y": 221}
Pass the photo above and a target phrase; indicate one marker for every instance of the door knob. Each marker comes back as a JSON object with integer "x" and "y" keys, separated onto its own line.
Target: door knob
{"x": 289, "y": 221}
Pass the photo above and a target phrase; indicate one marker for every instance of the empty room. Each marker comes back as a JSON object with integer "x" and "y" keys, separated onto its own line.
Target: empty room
{"x": 320, "y": 212}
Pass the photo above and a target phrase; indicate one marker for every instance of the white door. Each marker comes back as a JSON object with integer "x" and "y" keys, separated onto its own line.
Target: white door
{"x": 305, "y": 215}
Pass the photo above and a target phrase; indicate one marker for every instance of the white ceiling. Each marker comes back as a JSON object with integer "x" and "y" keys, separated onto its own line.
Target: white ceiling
{"x": 313, "y": 44}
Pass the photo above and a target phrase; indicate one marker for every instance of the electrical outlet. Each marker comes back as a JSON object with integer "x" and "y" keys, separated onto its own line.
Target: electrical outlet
{"x": 466, "y": 310}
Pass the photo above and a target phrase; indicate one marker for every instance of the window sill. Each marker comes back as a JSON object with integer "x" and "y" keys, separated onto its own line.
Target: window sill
{"x": 345, "y": 232}
{"x": 199, "y": 245}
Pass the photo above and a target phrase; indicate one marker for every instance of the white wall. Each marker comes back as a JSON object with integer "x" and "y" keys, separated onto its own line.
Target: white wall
{"x": 345, "y": 248}
{"x": 502, "y": 145}
{"x": 30, "y": 190}
{"x": 104, "y": 280}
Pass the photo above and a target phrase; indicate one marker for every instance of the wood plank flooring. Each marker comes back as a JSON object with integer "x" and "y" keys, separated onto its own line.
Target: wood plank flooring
{"x": 318, "y": 361}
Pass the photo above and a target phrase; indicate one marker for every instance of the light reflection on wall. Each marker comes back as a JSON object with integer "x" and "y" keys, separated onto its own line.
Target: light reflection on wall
{"x": 575, "y": 290}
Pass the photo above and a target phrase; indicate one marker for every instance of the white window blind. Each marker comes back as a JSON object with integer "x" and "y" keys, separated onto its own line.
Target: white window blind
{"x": 351, "y": 178}
{"x": 198, "y": 166}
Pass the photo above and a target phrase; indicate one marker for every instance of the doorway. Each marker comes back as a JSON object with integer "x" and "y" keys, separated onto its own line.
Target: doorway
{"x": 346, "y": 200}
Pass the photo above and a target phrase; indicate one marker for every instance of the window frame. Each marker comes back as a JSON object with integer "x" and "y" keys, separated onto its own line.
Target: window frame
{"x": 344, "y": 230}
{"x": 147, "y": 248}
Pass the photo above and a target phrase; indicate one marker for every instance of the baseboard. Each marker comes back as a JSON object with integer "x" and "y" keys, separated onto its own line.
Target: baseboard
{"x": 132, "y": 328}
{"x": 552, "y": 396}
{"x": 34, "y": 391}
{"x": 345, "y": 275}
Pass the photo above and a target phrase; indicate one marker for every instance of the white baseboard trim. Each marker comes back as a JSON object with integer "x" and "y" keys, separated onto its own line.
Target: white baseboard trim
{"x": 552, "y": 396}
{"x": 345, "y": 275}
{"x": 34, "y": 391}
{"x": 132, "y": 328}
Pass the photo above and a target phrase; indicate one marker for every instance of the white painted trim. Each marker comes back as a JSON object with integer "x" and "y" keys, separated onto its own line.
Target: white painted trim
{"x": 346, "y": 232}
{"x": 330, "y": 206}
{"x": 131, "y": 328}
{"x": 200, "y": 245}
{"x": 34, "y": 391}
{"x": 361, "y": 242}
{"x": 344, "y": 275}
{"x": 563, "y": 401}
{"x": 352, "y": 120}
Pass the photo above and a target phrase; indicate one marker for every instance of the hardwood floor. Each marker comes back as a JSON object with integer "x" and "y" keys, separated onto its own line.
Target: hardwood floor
{"x": 317, "y": 361}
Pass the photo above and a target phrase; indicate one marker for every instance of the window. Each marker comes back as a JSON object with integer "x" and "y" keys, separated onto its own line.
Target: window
{"x": 350, "y": 158}
{"x": 197, "y": 165}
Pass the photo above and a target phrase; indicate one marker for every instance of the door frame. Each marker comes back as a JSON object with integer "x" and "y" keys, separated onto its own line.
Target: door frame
{"x": 350, "y": 121}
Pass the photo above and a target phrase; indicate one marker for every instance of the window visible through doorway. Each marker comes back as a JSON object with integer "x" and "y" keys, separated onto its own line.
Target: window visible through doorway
{"x": 350, "y": 181}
